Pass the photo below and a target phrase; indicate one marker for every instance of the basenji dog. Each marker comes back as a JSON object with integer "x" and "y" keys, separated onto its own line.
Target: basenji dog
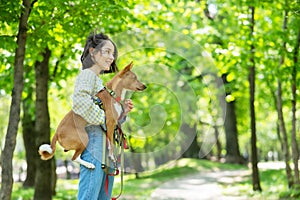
{"x": 71, "y": 133}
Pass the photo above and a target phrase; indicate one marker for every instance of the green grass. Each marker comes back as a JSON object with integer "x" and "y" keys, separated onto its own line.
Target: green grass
{"x": 65, "y": 190}
{"x": 273, "y": 182}
{"x": 147, "y": 182}
{"x": 19, "y": 193}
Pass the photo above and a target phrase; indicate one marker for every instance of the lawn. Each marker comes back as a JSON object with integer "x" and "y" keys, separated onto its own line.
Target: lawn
{"x": 273, "y": 182}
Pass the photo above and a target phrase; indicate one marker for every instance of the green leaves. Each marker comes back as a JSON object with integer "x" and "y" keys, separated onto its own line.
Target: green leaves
{"x": 176, "y": 47}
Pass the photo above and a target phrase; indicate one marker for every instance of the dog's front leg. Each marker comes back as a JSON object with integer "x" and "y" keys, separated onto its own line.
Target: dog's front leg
{"x": 110, "y": 134}
{"x": 111, "y": 152}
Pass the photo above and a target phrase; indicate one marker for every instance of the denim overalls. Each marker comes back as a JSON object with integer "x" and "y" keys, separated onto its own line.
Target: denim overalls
{"x": 92, "y": 181}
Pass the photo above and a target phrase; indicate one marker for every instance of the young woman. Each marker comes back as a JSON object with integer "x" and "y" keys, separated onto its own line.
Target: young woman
{"x": 99, "y": 56}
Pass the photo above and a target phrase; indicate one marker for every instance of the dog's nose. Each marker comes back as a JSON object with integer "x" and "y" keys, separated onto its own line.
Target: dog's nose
{"x": 141, "y": 88}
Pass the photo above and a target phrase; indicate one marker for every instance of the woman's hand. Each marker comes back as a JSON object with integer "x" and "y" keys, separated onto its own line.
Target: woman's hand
{"x": 128, "y": 106}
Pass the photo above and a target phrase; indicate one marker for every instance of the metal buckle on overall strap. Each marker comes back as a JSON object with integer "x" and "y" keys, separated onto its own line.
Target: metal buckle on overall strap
{"x": 98, "y": 102}
{"x": 105, "y": 168}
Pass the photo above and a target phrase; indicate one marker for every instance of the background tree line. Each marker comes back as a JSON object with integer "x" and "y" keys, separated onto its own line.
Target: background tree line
{"x": 238, "y": 60}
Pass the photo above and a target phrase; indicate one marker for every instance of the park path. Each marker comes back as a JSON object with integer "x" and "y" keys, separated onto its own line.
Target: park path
{"x": 201, "y": 186}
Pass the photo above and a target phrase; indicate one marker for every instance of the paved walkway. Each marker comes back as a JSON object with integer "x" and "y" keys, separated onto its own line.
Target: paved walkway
{"x": 202, "y": 186}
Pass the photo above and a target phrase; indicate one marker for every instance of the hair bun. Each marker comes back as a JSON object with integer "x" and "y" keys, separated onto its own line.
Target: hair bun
{"x": 98, "y": 38}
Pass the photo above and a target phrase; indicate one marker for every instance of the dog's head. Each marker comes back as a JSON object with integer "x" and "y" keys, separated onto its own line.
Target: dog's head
{"x": 129, "y": 80}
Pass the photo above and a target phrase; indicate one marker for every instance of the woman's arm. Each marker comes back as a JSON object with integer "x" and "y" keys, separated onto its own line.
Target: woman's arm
{"x": 128, "y": 106}
{"x": 85, "y": 86}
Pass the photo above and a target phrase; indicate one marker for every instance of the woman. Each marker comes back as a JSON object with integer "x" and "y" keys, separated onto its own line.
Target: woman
{"x": 99, "y": 56}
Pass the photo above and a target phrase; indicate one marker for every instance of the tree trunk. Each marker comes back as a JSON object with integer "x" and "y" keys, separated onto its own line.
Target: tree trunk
{"x": 218, "y": 143}
{"x": 295, "y": 150}
{"x": 255, "y": 174}
{"x": 14, "y": 115}
{"x": 193, "y": 149}
{"x": 134, "y": 162}
{"x": 43, "y": 186}
{"x": 280, "y": 115}
{"x": 28, "y": 124}
{"x": 230, "y": 125}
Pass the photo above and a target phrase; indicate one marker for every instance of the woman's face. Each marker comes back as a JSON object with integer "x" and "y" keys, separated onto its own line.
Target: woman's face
{"x": 104, "y": 56}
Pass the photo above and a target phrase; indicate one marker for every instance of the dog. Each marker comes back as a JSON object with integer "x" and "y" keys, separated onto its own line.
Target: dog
{"x": 71, "y": 133}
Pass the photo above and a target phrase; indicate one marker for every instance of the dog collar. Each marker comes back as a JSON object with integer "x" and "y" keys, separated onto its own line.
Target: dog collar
{"x": 113, "y": 94}
{"x": 118, "y": 99}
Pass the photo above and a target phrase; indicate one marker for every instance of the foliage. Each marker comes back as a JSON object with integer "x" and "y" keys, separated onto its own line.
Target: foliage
{"x": 213, "y": 27}
{"x": 61, "y": 27}
{"x": 4, "y": 107}
{"x": 179, "y": 48}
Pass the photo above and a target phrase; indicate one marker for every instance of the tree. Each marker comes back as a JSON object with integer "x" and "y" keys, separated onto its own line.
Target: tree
{"x": 193, "y": 149}
{"x": 295, "y": 149}
{"x": 282, "y": 126}
{"x": 227, "y": 100}
{"x": 220, "y": 27}
{"x": 255, "y": 175}
{"x": 42, "y": 128}
{"x": 58, "y": 30}
{"x": 230, "y": 125}
{"x": 14, "y": 115}
{"x": 29, "y": 136}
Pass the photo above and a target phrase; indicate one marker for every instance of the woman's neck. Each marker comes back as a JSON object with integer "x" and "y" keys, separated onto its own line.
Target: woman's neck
{"x": 96, "y": 69}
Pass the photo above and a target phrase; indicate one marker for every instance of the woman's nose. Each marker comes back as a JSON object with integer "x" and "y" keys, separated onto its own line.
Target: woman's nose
{"x": 111, "y": 56}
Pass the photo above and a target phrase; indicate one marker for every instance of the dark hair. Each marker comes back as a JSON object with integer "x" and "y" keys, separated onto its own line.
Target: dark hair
{"x": 97, "y": 41}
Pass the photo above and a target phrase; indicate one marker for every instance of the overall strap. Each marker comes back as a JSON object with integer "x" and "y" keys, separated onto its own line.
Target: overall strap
{"x": 103, "y": 163}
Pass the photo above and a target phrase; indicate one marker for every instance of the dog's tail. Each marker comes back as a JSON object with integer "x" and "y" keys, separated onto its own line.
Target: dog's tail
{"x": 47, "y": 151}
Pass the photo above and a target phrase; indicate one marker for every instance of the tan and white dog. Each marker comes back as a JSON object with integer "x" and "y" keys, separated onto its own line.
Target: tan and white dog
{"x": 71, "y": 133}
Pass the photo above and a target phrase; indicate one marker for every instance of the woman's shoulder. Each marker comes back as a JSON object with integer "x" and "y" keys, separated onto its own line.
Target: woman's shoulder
{"x": 87, "y": 74}
{"x": 89, "y": 77}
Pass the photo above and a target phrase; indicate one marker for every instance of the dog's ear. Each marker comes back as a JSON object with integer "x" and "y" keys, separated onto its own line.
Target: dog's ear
{"x": 126, "y": 69}
{"x": 130, "y": 65}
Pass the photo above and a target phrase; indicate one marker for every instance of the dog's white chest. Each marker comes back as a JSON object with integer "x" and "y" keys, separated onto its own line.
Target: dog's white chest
{"x": 118, "y": 108}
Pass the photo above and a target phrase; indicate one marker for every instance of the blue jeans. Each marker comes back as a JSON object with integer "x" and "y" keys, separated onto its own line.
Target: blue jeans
{"x": 92, "y": 181}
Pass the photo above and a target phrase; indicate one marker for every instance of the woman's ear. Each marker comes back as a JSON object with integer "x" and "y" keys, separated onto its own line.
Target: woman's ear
{"x": 91, "y": 50}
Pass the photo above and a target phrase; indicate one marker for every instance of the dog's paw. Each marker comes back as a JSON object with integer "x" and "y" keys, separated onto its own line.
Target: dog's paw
{"x": 85, "y": 163}
{"x": 89, "y": 165}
